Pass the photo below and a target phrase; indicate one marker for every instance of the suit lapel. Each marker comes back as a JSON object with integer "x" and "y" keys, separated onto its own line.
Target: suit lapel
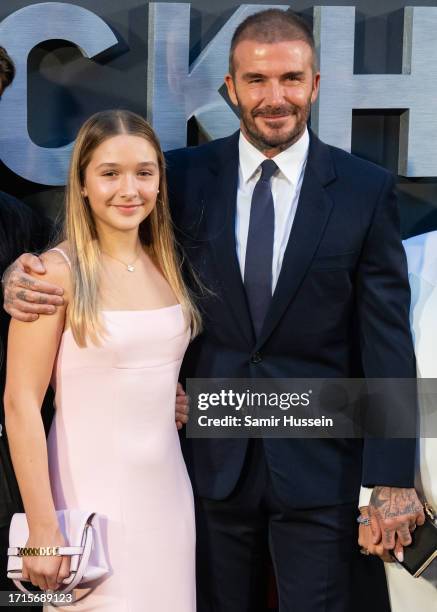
{"x": 221, "y": 199}
{"x": 312, "y": 214}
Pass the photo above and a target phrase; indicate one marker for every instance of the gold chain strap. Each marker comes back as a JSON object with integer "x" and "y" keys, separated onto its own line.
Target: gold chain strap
{"x": 39, "y": 551}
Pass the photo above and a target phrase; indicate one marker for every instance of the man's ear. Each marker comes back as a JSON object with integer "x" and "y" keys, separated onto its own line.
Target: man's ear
{"x": 230, "y": 86}
{"x": 316, "y": 87}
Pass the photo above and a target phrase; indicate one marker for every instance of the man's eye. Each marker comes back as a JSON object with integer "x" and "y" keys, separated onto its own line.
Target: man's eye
{"x": 255, "y": 81}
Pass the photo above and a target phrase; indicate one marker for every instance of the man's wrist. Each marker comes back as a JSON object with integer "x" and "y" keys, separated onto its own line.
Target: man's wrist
{"x": 5, "y": 277}
{"x": 3, "y": 282}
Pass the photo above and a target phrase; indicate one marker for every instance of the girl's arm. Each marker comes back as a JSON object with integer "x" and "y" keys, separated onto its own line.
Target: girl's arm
{"x": 32, "y": 349}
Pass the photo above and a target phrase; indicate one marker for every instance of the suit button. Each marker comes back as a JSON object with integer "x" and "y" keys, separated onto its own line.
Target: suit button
{"x": 256, "y": 358}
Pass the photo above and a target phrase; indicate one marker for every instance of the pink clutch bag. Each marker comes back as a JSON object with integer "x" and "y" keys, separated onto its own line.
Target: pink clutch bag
{"x": 82, "y": 530}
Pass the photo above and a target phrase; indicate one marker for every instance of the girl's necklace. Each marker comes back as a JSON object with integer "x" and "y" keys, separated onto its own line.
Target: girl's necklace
{"x": 130, "y": 267}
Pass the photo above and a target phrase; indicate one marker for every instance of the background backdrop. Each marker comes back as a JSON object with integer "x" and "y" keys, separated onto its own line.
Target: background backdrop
{"x": 64, "y": 88}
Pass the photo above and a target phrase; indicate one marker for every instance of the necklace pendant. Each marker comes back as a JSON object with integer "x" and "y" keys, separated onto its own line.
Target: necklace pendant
{"x": 130, "y": 268}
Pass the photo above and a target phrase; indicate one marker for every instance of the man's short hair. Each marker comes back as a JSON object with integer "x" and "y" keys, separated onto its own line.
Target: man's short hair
{"x": 7, "y": 70}
{"x": 272, "y": 26}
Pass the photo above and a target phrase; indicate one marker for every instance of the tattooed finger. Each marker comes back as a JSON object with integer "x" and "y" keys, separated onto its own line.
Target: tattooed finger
{"x": 28, "y": 307}
{"x": 26, "y": 281}
{"x": 34, "y": 297}
{"x": 412, "y": 524}
{"x": 22, "y": 295}
{"x": 388, "y": 538}
{"x": 404, "y": 534}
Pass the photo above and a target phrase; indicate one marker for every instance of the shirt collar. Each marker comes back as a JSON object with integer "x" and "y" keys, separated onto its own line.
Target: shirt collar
{"x": 290, "y": 162}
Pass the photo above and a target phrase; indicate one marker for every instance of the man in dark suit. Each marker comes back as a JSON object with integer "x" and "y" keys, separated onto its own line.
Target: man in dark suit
{"x": 299, "y": 246}
{"x": 308, "y": 279}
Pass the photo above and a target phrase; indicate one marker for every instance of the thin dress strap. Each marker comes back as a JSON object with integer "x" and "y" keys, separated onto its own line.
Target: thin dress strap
{"x": 64, "y": 255}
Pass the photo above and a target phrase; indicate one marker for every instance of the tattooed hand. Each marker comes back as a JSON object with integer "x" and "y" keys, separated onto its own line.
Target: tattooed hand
{"x": 25, "y": 297}
{"x": 394, "y": 513}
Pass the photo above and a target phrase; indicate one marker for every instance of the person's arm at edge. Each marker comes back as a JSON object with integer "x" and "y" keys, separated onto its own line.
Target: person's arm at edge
{"x": 387, "y": 352}
{"x": 31, "y": 354}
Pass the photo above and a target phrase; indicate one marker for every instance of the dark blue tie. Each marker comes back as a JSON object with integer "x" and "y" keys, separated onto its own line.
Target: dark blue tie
{"x": 259, "y": 252}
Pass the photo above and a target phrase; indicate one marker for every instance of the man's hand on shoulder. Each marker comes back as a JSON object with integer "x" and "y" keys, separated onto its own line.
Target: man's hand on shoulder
{"x": 394, "y": 513}
{"x": 26, "y": 297}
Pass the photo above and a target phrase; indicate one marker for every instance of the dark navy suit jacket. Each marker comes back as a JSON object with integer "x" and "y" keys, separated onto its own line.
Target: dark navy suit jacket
{"x": 340, "y": 309}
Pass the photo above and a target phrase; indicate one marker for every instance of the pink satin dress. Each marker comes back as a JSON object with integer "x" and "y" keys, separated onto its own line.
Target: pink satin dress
{"x": 114, "y": 449}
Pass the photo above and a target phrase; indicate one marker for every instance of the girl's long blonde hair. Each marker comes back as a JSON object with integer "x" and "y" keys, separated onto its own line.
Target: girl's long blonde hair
{"x": 155, "y": 232}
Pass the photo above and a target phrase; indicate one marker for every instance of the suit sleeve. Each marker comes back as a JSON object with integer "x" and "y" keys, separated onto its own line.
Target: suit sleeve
{"x": 383, "y": 301}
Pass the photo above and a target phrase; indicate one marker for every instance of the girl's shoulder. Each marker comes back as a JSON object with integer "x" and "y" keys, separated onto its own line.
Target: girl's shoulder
{"x": 57, "y": 265}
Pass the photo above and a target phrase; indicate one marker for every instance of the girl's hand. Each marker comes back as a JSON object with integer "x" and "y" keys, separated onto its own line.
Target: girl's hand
{"x": 366, "y": 542}
{"x": 47, "y": 573}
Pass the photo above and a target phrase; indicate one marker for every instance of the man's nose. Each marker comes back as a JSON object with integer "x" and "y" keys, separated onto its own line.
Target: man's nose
{"x": 275, "y": 93}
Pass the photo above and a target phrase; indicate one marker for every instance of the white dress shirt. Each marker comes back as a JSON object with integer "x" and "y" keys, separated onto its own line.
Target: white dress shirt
{"x": 286, "y": 185}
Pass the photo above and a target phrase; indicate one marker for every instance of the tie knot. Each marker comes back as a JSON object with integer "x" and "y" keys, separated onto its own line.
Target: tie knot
{"x": 268, "y": 169}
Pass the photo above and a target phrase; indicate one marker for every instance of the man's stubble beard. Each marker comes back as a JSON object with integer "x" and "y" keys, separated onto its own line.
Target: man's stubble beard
{"x": 262, "y": 142}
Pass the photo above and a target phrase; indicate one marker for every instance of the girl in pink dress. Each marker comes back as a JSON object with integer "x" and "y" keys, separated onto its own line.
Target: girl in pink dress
{"x": 113, "y": 354}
